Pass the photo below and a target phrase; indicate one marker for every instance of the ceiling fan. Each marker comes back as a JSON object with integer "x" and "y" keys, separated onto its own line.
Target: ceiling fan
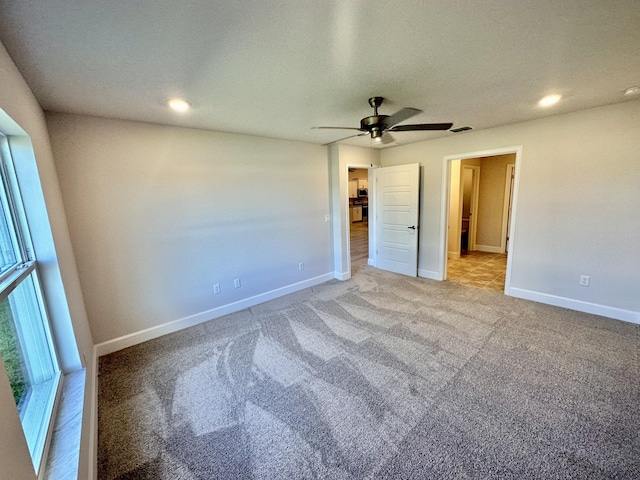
{"x": 380, "y": 126}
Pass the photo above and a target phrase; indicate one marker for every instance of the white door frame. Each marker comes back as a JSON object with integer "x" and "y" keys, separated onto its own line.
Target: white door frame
{"x": 508, "y": 200}
{"x": 444, "y": 213}
{"x": 340, "y": 158}
{"x": 348, "y": 220}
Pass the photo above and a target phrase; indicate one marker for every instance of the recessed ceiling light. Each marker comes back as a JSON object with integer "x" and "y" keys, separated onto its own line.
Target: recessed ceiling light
{"x": 179, "y": 105}
{"x": 632, "y": 91}
{"x": 549, "y": 100}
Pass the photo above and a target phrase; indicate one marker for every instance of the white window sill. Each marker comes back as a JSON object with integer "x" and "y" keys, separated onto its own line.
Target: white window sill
{"x": 64, "y": 450}
{"x": 36, "y": 414}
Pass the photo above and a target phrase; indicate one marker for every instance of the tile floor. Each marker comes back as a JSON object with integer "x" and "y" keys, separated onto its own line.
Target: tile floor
{"x": 478, "y": 269}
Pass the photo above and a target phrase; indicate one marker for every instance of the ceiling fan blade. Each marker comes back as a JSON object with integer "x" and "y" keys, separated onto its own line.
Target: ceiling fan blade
{"x": 387, "y": 138}
{"x": 400, "y": 115}
{"x": 421, "y": 126}
{"x": 336, "y": 128}
{"x": 350, "y": 136}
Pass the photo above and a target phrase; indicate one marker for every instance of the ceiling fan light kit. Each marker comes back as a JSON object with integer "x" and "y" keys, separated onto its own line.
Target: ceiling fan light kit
{"x": 379, "y": 126}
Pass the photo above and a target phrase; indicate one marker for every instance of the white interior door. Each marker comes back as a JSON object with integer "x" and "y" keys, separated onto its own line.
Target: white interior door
{"x": 396, "y": 207}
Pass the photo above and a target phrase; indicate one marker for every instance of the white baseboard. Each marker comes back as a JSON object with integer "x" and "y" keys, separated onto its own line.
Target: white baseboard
{"x": 371, "y": 262}
{"x": 430, "y": 274}
{"x": 489, "y": 249}
{"x": 342, "y": 276}
{"x": 92, "y": 462}
{"x": 578, "y": 305}
{"x": 131, "y": 339}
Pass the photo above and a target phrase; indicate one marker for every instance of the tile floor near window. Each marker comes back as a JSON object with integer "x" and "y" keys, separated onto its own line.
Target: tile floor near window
{"x": 479, "y": 269}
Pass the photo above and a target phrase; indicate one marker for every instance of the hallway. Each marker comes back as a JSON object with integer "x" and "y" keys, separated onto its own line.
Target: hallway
{"x": 475, "y": 269}
{"x": 479, "y": 269}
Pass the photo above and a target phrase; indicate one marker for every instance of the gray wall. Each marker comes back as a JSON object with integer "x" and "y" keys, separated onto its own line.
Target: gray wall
{"x": 59, "y": 276}
{"x": 578, "y": 210}
{"x": 159, "y": 214}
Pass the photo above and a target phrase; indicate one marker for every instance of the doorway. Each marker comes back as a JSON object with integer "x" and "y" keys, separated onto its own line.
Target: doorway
{"x": 480, "y": 214}
{"x": 358, "y": 217}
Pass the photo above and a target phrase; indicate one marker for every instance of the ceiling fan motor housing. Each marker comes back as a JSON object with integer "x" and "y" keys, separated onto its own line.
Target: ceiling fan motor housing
{"x": 375, "y": 124}
{"x": 374, "y": 121}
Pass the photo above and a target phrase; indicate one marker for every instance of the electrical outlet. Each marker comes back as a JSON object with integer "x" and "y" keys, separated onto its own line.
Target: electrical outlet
{"x": 301, "y": 266}
{"x": 327, "y": 218}
{"x": 236, "y": 283}
{"x": 584, "y": 280}
{"x": 216, "y": 288}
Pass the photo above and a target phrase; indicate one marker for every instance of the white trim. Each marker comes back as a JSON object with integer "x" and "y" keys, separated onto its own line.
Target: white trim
{"x": 512, "y": 221}
{"x": 511, "y": 168}
{"x": 342, "y": 275}
{"x": 50, "y": 398}
{"x": 341, "y": 158}
{"x": 347, "y": 222}
{"x": 578, "y": 305}
{"x": 135, "y": 338}
{"x": 92, "y": 462}
{"x": 371, "y": 262}
{"x": 347, "y": 228}
{"x": 489, "y": 249}
{"x": 429, "y": 274}
{"x": 444, "y": 216}
{"x": 444, "y": 212}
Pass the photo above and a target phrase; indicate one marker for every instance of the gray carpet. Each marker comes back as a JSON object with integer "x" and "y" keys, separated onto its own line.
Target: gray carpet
{"x": 381, "y": 376}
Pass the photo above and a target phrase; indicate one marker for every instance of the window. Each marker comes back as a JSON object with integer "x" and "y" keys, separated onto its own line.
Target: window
{"x": 26, "y": 346}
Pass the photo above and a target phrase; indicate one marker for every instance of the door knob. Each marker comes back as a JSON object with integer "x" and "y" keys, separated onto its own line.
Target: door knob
{"x": 412, "y": 227}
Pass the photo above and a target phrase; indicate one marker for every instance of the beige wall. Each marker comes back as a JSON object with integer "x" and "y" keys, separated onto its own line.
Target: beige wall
{"x": 456, "y": 190}
{"x": 578, "y": 207}
{"x": 493, "y": 171}
{"x": 58, "y": 270}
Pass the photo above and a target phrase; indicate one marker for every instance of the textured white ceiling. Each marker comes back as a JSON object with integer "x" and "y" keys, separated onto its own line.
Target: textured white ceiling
{"x": 278, "y": 68}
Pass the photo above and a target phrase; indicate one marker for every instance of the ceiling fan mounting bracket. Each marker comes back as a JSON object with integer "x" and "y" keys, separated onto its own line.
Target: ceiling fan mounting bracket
{"x": 375, "y": 102}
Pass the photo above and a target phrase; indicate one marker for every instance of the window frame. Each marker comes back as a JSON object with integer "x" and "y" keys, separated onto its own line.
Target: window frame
{"x": 38, "y": 412}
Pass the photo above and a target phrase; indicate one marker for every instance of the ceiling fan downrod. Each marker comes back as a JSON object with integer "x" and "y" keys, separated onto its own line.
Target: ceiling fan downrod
{"x": 375, "y": 102}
